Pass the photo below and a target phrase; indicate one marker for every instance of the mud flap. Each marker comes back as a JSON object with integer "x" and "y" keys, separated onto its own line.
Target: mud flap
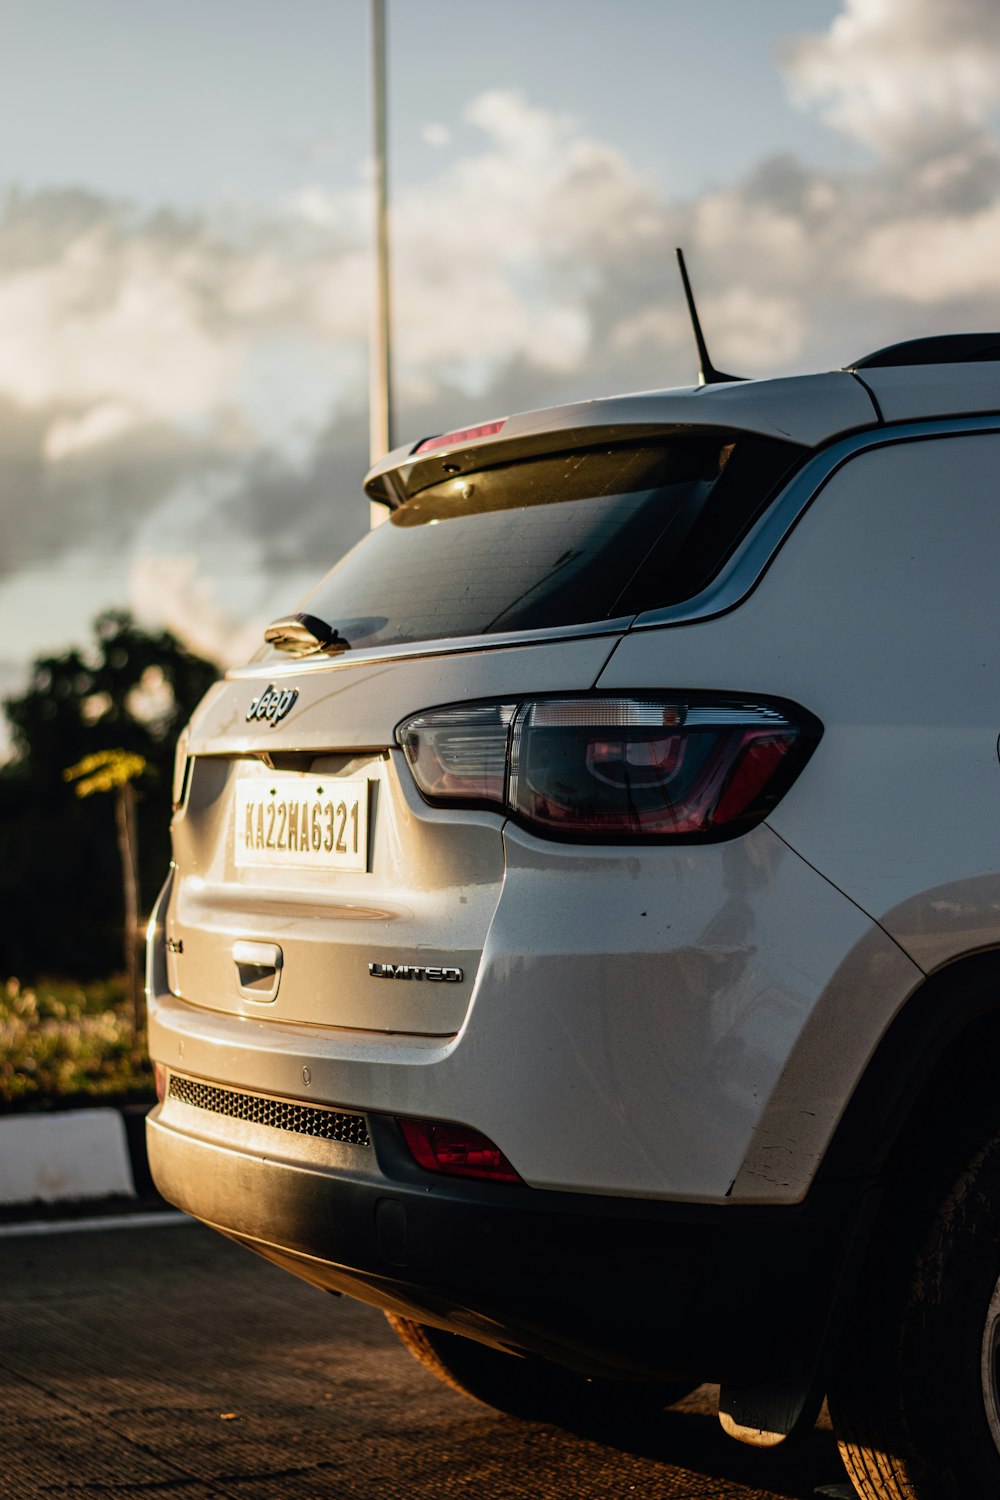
{"x": 768, "y": 1416}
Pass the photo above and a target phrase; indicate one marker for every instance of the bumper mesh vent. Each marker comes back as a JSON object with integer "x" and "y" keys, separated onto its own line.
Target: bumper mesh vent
{"x": 280, "y": 1114}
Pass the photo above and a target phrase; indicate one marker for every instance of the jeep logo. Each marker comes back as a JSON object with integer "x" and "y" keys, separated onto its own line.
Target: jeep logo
{"x": 272, "y": 704}
{"x": 415, "y": 971}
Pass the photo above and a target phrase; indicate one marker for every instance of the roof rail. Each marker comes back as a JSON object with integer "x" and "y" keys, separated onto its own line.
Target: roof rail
{"x": 941, "y": 349}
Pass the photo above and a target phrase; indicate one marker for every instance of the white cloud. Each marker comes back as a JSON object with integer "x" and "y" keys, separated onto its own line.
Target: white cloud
{"x": 123, "y": 321}
{"x": 314, "y": 205}
{"x": 104, "y": 320}
{"x": 169, "y": 591}
{"x": 184, "y": 399}
{"x": 930, "y": 261}
{"x": 661, "y": 328}
{"x": 761, "y": 329}
{"x": 905, "y": 77}
{"x": 98, "y": 424}
{"x": 436, "y": 134}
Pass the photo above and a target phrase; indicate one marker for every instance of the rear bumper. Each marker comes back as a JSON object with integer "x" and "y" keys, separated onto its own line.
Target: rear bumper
{"x": 606, "y": 1286}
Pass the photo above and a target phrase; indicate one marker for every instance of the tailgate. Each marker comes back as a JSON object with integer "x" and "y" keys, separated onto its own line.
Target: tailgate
{"x": 313, "y": 885}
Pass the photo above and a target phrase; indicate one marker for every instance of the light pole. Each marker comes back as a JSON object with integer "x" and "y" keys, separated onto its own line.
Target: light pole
{"x": 380, "y": 436}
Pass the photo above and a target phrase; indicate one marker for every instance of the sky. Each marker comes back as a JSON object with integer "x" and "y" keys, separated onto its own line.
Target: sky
{"x": 185, "y": 216}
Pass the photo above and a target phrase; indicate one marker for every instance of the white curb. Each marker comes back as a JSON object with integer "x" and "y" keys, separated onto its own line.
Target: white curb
{"x": 27, "y": 1228}
{"x": 72, "y": 1154}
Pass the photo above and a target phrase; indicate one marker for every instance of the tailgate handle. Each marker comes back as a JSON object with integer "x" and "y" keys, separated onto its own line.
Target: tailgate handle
{"x": 258, "y": 970}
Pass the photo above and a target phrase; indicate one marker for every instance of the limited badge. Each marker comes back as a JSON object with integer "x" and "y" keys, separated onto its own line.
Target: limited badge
{"x": 432, "y": 973}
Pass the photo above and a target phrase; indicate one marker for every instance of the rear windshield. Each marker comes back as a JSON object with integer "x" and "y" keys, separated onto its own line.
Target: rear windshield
{"x": 560, "y": 540}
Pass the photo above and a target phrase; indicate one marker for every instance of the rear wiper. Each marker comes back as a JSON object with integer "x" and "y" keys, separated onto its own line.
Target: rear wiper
{"x": 304, "y": 635}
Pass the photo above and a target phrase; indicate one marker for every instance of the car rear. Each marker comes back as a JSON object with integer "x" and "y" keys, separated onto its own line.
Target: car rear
{"x": 478, "y": 965}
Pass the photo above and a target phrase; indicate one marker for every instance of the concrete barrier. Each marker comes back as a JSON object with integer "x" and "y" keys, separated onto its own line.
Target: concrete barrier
{"x": 69, "y": 1155}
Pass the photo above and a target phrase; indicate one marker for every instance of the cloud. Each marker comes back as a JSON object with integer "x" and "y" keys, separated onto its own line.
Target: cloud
{"x": 170, "y": 591}
{"x": 98, "y": 424}
{"x": 104, "y": 301}
{"x": 929, "y": 260}
{"x": 436, "y": 134}
{"x": 182, "y": 397}
{"x": 228, "y": 548}
{"x": 908, "y": 78}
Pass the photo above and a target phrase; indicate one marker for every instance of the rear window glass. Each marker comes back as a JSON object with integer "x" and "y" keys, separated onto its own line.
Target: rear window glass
{"x": 559, "y": 540}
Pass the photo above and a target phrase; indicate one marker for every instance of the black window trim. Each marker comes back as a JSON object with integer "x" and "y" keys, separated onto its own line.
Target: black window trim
{"x": 746, "y": 566}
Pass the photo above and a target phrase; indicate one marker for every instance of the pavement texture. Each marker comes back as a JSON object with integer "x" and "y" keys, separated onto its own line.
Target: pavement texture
{"x": 169, "y": 1362}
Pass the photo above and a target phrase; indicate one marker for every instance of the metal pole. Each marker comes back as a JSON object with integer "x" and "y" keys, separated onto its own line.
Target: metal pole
{"x": 380, "y": 368}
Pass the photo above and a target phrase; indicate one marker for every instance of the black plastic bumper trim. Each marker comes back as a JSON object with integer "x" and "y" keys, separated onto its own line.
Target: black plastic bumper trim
{"x": 640, "y": 1288}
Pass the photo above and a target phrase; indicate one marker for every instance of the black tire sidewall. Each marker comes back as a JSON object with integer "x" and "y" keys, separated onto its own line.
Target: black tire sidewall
{"x": 532, "y": 1388}
{"x": 907, "y": 1402}
{"x": 942, "y": 1328}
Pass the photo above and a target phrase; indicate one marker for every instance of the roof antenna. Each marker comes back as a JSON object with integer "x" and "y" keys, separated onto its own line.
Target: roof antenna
{"x": 707, "y": 373}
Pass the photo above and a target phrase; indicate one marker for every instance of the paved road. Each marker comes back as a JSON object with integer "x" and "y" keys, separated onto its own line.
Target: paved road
{"x": 170, "y": 1362}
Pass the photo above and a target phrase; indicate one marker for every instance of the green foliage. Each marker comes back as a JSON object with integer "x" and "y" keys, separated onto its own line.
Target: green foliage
{"x": 104, "y": 771}
{"x": 62, "y": 1043}
{"x": 105, "y": 698}
{"x": 131, "y": 692}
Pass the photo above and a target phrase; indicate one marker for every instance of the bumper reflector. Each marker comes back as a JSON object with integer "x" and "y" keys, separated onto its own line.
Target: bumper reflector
{"x": 456, "y": 1151}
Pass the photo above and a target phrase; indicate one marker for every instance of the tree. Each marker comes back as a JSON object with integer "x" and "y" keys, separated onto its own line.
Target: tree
{"x": 60, "y": 878}
{"x": 116, "y": 771}
{"x": 133, "y": 689}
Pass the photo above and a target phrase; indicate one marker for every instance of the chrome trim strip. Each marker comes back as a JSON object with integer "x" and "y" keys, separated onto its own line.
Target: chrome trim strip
{"x": 760, "y": 546}
{"x": 447, "y": 646}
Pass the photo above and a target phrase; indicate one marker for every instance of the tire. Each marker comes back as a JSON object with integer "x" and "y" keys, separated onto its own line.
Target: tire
{"x": 915, "y": 1403}
{"x": 532, "y": 1388}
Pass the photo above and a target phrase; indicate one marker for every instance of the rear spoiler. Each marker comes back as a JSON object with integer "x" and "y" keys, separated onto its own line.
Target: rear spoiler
{"x": 803, "y": 409}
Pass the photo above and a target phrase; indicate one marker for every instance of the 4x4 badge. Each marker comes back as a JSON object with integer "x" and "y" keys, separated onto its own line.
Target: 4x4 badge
{"x": 272, "y": 704}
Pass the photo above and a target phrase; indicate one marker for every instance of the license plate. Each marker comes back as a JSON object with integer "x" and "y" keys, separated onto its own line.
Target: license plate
{"x": 319, "y": 824}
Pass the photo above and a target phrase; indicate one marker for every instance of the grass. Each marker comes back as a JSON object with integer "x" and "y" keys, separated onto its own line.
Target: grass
{"x": 64, "y": 1043}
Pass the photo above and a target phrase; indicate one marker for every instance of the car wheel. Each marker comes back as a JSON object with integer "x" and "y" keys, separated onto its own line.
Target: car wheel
{"x": 916, "y": 1402}
{"x": 531, "y": 1388}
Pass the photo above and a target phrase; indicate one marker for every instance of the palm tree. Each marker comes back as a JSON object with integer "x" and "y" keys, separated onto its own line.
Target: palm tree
{"x": 117, "y": 771}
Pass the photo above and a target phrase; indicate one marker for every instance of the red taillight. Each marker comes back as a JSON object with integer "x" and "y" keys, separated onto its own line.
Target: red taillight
{"x": 160, "y": 1081}
{"x": 456, "y": 1151}
{"x": 614, "y": 769}
{"x": 755, "y": 765}
{"x": 462, "y": 435}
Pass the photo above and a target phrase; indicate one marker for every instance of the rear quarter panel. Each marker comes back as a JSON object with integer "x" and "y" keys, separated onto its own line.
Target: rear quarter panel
{"x": 881, "y": 615}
